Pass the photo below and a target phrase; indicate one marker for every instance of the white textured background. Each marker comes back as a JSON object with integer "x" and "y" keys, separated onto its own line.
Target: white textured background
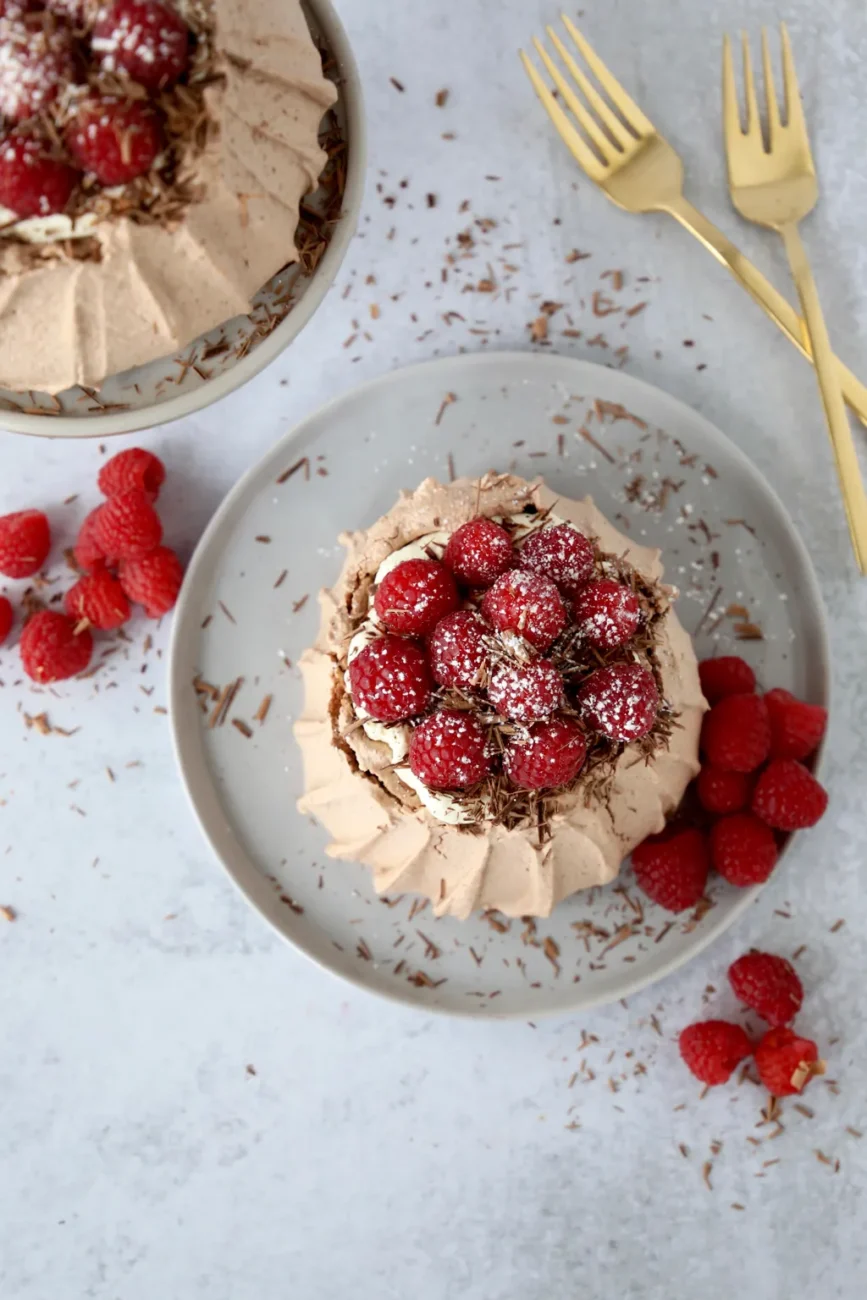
{"x": 374, "y": 1151}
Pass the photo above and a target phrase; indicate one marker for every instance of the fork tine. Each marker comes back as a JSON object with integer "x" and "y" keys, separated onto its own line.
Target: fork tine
{"x": 621, "y": 100}
{"x": 585, "y": 120}
{"x": 610, "y": 121}
{"x": 794, "y": 107}
{"x": 731, "y": 109}
{"x": 581, "y": 151}
{"x": 770, "y": 92}
{"x": 754, "y": 123}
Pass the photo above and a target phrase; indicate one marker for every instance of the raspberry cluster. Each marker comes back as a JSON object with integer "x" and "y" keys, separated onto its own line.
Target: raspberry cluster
{"x": 119, "y": 556}
{"x": 509, "y": 660}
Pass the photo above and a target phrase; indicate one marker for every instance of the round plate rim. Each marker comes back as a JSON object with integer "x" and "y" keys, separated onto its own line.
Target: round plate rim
{"x": 264, "y": 468}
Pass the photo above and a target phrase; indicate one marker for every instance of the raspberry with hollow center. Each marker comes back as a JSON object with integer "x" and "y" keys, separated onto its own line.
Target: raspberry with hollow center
{"x": 132, "y": 468}
{"x": 606, "y": 612}
{"x": 788, "y": 797}
{"x": 736, "y": 734}
{"x": 551, "y": 755}
{"x": 7, "y": 618}
{"x": 414, "y": 596}
{"x": 712, "y": 1049}
{"x": 786, "y": 1063}
{"x": 796, "y": 728}
{"x": 88, "y": 552}
{"x": 743, "y": 849}
{"x": 390, "y": 679}
{"x": 116, "y": 139}
{"x": 769, "y": 985}
{"x": 144, "y": 39}
{"x": 25, "y": 540}
{"x": 528, "y": 604}
{"x": 728, "y": 675}
{"x": 478, "y": 552}
{"x": 99, "y": 600}
{"x": 127, "y": 526}
{"x": 33, "y": 183}
{"x": 526, "y": 692}
{"x": 153, "y": 581}
{"x": 722, "y": 792}
{"x": 620, "y": 702}
{"x": 449, "y": 751}
{"x": 36, "y": 60}
{"x": 672, "y": 868}
{"x": 458, "y": 651}
{"x": 559, "y": 552}
{"x": 52, "y": 648}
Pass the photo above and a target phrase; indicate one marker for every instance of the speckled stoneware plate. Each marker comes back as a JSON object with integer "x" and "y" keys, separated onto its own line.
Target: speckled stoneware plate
{"x": 656, "y": 468}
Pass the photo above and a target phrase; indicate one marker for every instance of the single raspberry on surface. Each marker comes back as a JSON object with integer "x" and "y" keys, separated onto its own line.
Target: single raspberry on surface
{"x": 153, "y": 581}
{"x": 127, "y": 526}
{"x": 736, "y": 734}
{"x": 712, "y": 1049}
{"x": 25, "y": 540}
{"x": 607, "y": 613}
{"x": 36, "y": 61}
{"x": 550, "y": 755}
{"x": 743, "y": 849}
{"x": 722, "y": 792}
{"x": 559, "y": 552}
{"x": 620, "y": 702}
{"x": 449, "y": 751}
{"x": 672, "y": 868}
{"x": 132, "y": 468}
{"x": 414, "y": 596}
{"x": 390, "y": 679}
{"x": 788, "y": 797}
{"x": 145, "y": 39}
{"x": 526, "y": 692}
{"x": 116, "y": 139}
{"x": 52, "y": 648}
{"x": 99, "y": 600}
{"x": 7, "y": 618}
{"x": 728, "y": 675}
{"x": 528, "y": 604}
{"x": 478, "y": 552}
{"x": 786, "y": 1062}
{"x": 88, "y": 552}
{"x": 769, "y": 985}
{"x": 33, "y": 183}
{"x": 457, "y": 649}
{"x": 796, "y": 728}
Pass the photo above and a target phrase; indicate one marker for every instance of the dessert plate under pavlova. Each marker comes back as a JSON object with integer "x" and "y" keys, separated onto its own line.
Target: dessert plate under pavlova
{"x": 657, "y": 469}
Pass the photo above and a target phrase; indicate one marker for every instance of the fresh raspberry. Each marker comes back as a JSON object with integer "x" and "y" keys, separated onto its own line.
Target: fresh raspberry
{"x": 743, "y": 849}
{"x": 620, "y": 702}
{"x": 127, "y": 526}
{"x": 390, "y": 679}
{"x": 414, "y": 596}
{"x": 769, "y": 985}
{"x": 457, "y": 650}
{"x": 144, "y": 39}
{"x": 526, "y": 692}
{"x": 99, "y": 600}
{"x": 552, "y": 754}
{"x": 36, "y": 60}
{"x": 153, "y": 581}
{"x": 728, "y": 675}
{"x": 712, "y": 1049}
{"x": 32, "y": 182}
{"x": 88, "y": 553}
{"x": 722, "y": 792}
{"x": 478, "y": 552}
{"x": 736, "y": 734}
{"x": 606, "y": 612}
{"x": 116, "y": 139}
{"x": 52, "y": 648}
{"x": 788, "y": 797}
{"x": 561, "y": 553}
{"x": 133, "y": 468}
{"x": 7, "y": 618}
{"x": 787, "y": 1063}
{"x": 526, "y": 603}
{"x": 672, "y": 868}
{"x": 25, "y": 540}
{"x": 796, "y": 728}
{"x": 449, "y": 751}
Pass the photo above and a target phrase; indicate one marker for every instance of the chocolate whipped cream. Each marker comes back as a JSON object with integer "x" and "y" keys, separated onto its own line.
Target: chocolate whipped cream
{"x": 374, "y": 816}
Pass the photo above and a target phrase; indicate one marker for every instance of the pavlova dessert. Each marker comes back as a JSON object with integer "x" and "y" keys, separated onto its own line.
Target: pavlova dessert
{"x": 501, "y": 702}
{"x": 153, "y": 156}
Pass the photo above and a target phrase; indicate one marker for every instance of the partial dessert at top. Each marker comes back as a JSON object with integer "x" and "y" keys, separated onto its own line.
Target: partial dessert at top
{"x": 501, "y": 702}
{"x": 153, "y": 156}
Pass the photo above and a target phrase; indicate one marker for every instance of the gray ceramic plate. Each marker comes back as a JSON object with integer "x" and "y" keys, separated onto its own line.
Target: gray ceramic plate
{"x": 661, "y": 471}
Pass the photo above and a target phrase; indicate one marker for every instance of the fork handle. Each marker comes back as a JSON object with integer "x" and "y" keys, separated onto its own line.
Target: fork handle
{"x": 761, "y": 289}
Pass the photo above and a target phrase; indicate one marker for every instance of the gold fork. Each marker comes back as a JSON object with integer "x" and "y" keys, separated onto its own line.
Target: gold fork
{"x": 624, "y": 154}
{"x": 776, "y": 187}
